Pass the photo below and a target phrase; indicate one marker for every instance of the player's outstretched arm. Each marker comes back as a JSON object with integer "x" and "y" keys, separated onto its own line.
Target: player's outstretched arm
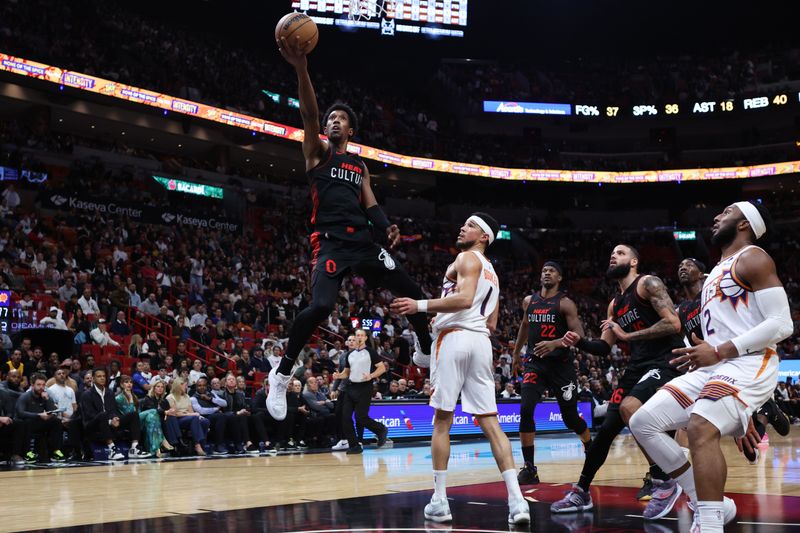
{"x": 468, "y": 267}
{"x": 601, "y": 346}
{"x": 294, "y": 52}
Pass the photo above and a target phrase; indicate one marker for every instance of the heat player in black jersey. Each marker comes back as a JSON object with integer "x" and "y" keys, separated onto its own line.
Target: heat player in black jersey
{"x": 343, "y": 209}
{"x": 643, "y": 316}
{"x": 691, "y": 274}
{"x": 547, "y": 364}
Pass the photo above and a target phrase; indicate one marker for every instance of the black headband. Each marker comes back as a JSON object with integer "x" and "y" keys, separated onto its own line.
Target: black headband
{"x": 554, "y": 265}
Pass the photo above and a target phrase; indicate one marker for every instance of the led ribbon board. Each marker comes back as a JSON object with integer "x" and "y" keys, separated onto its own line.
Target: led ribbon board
{"x": 121, "y": 91}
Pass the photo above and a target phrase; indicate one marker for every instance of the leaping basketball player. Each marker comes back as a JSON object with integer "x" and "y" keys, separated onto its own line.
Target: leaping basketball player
{"x": 462, "y": 361}
{"x": 343, "y": 208}
{"x": 745, "y": 313}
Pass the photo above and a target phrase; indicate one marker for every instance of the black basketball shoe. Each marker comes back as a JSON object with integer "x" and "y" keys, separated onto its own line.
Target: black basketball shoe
{"x": 528, "y": 475}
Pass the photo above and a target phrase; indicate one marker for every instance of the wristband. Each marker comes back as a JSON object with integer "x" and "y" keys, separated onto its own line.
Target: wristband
{"x": 716, "y": 352}
{"x": 422, "y": 306}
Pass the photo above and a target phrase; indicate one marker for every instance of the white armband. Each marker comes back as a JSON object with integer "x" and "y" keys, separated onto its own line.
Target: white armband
{"x": 422, "y": 306}
{"x": 777, "y": 324}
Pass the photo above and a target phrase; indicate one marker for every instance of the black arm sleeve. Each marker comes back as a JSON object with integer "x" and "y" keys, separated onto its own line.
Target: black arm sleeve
{"x": 378, "y": 217}
{"x": 594, "y": 346}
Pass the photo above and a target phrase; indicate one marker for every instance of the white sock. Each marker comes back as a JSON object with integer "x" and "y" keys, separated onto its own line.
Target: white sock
{"x": 512, "y": 485}
{"x": 712, "y": 516}
{"x": 134, "y": 444}
{"x": 440, "y": 484}
{"x": 686, "y": 481}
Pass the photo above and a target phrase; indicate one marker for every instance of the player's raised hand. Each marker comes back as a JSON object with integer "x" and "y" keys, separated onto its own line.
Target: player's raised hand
{"x": 570, "y": 339}
{"x": 393, "y": 233}
{"x": 293, "y": 51}
{"x": 404, "y": 306}
{"x": 700, "y": 355}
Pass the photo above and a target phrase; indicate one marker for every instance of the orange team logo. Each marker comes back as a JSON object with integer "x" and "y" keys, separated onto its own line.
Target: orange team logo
{"x": 3, "y": 298}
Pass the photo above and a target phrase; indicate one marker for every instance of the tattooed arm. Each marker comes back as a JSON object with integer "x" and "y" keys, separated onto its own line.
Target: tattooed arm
{"x": 654, "y": 290}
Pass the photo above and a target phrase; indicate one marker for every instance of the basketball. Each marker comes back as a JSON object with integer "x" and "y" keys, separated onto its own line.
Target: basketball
{"x": 296, "y": 25}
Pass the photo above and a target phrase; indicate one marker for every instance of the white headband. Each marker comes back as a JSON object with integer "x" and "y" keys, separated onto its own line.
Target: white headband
{"x": 483, "y": 225}
{"x": 753, "y": 217}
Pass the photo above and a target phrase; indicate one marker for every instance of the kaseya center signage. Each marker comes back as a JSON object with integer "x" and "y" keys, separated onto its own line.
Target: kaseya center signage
{"x": 145, "y": 214}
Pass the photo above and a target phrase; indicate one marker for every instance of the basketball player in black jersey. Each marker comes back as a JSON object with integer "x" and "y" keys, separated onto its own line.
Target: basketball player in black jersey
{"x": 343, "y": 208}
{"x": 691, "y": 274}
{"x": 643, "y": 316}
{"x": 548, "y": 315}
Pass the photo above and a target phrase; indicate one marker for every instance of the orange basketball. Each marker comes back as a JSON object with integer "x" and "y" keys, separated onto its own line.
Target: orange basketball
{"x": 296, "y": 25}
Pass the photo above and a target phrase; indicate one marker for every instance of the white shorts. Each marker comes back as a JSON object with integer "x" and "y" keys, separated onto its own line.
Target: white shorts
{"x": 728, "y": 393}
{"x": 462, "y": 365}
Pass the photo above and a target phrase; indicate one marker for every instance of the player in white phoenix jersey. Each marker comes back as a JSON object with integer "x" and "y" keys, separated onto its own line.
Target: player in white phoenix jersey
{"x": 733, "y": 371}
{"x": 462, "y": 361}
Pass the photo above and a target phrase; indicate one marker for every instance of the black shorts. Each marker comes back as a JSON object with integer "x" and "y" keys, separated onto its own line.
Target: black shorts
{"x": 556, "y": 374}
{"x": 642, "y": 383}
{"x": 334, "y": 257}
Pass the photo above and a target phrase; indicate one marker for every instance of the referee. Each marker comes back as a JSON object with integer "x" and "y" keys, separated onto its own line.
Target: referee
{"x": 337, "y": 393}
{"x": 362, "y": 365}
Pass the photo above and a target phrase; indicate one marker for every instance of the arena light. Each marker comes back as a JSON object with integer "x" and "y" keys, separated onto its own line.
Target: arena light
{"x": 93, "y": 84}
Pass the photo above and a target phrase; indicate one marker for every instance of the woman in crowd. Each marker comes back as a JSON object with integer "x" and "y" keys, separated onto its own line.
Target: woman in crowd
{"x": 78, "y": 324}
{"x": 180, "y": 407}
{"x": 135, "y": 347}
{"x": 127, "y": 402}
{"x": 183, "y": 367}
{"x": 156, "y": 400}
{"x": 294, "y": 427}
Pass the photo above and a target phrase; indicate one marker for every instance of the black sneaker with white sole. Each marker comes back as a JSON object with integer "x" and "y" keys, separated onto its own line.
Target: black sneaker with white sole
{"x": 776, "y": 417}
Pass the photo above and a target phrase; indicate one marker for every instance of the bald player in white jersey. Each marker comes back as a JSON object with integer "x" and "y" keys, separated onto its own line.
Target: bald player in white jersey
{"x": 462, "y": 361}
{"x": 733, "y": 371}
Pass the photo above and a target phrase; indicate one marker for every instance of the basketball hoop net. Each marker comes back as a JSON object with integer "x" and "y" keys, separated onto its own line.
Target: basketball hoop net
{"x": 370, "y": 9}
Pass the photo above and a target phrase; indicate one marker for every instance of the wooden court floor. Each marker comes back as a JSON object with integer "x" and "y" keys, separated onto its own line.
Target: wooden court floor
{"x": 41, "y": 499}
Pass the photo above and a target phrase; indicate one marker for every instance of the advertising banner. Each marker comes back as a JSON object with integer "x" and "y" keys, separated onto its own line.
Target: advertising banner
{"x": 145, "y": 214}
{"x": 411, "y": 419}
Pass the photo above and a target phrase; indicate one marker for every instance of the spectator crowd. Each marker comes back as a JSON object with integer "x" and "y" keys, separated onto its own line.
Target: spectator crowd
{"x": 171, "y": 329}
